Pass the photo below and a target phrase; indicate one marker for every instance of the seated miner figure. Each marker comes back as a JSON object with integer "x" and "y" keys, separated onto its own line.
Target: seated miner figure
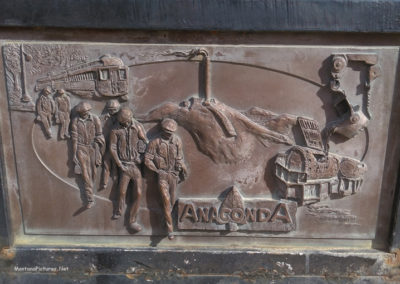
{"x": 164, "y": 156}
{"x": 125, "y": 141}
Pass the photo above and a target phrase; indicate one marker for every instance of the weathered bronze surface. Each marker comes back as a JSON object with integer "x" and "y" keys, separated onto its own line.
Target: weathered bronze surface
{"x": 189, "y": 141}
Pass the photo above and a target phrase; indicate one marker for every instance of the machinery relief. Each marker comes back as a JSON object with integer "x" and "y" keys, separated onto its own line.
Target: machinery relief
{"x": 155, "y": 141}
{"x": 353, "y": 118}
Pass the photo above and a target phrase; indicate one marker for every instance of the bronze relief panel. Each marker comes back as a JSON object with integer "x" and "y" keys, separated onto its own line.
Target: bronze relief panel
{"x": 180, "y": 140}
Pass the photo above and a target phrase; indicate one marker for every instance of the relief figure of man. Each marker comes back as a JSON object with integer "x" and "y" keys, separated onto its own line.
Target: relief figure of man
{"x": 45, "y": 108}
{"x": 87, "y": 146}
{"x": 108, "y": 121}
{"x": 63, "y": 110}
{"x": 164, "y": 156}
{"x": 125, "y": 148}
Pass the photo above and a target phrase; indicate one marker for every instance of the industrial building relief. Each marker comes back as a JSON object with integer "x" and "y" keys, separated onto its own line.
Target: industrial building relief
{"x": 117, "y": 153}
{"x": 311, "y": 174}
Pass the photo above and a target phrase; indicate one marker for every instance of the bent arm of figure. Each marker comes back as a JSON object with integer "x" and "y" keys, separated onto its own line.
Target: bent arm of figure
{"x": 149, "y": 157}
{"x": 179, "y": 157}
{"x": 74, "y": 138}
{"x": 56, "y": 114}
{"x": 180, "y": 163}
{"x": 38, "y": 106}
{"x": 113, "y": 149}
{"x": 99, "y": 138}
{"x": 40, "y": 112}
{"x": 179, "y": 149}
{"x": 182, "y": 168}
{"x": 53, "y": 106}
{"x": 68, "y": 104}
{"x": 74, "y": 150}
{"x": 78, "y": 169}
{"x": 148, "y": 161}
{"x": 141, "y": 132}
{"x": 97, "y": 125}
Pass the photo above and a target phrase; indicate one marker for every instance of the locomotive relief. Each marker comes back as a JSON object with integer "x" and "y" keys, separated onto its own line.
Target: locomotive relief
{"x": 103, "y": 78}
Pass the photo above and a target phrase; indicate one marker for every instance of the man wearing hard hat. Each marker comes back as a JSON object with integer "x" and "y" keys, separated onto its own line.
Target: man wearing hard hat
{"x": 164, "y": 156}
{"x": 109, "y": 122}
{"x": 87, "y": 147}
{"x": 45, "y": 108}
{"x": 62, "y": 114}
{"x": 125, "y": 141}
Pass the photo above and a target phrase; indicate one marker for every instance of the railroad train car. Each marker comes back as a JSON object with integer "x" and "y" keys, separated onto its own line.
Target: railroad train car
{"x": 308, "y": 175}
{"x": 106, "y": 77}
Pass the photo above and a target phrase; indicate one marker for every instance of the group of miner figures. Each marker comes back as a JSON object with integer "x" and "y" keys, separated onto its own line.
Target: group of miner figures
{"x": 59, "y": 108}
{"x": 117, "y": 138}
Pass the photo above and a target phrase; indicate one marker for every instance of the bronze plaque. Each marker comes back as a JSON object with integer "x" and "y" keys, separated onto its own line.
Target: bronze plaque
{"x": 185, "y": 141}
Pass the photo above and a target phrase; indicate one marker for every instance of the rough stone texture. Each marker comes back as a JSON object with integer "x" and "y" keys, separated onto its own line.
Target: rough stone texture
{"x": 395, "y": 244}
{"x": 110, "y": 265}
{"x": 45, "y": 278}
{"x": 3, "y": 218}
{"x": 154, "y": 261}
{"x": 238, "y": 15}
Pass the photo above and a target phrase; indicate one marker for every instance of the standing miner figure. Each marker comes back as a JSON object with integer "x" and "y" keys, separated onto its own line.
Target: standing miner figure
{"x": 164, "y": 156}
{"x": 45, "y": 108}
{"x": 87, "y": 146}
{"x": 62, "y": 112}
{"x": 108, "y": 121}
{"x": 126, "y": 145}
